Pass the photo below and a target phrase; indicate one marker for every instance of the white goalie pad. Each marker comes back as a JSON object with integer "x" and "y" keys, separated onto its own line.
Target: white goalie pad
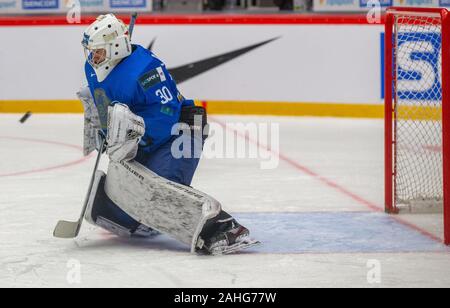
{"x": 168, "y": 207}
{"x": 91, "y": 121}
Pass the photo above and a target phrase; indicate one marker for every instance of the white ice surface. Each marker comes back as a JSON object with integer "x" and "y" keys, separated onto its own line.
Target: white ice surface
{"x": 346, "y": 157}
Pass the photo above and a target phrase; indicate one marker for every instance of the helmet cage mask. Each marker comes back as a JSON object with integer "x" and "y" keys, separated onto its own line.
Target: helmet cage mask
{"x": 92, "y": 54}
{"x": 106, "y": 40}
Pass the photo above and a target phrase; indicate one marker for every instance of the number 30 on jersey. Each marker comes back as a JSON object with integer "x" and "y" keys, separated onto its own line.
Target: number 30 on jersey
{"x": 164, "y": 94}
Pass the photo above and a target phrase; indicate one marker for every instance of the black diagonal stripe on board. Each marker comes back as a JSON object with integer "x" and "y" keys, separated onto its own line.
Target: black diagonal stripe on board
{"x": 191, "y": 70}
{"x": 152, "y": 43}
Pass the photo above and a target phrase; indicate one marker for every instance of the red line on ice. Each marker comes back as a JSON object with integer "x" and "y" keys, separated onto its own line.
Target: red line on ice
{"x": 46, "y": 169}
{"x": 329, "y": 183}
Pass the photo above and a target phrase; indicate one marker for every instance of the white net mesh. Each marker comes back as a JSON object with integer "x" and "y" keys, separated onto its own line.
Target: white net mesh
{"x": 418, "y": 112}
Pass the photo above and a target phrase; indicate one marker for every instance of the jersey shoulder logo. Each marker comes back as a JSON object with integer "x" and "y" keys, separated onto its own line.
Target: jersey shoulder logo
{"x": 152, "y": 78}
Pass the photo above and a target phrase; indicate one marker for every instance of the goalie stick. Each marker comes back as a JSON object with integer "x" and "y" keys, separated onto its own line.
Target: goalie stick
{"x": 132, "y": 22}
{"x": 71, "y": 229}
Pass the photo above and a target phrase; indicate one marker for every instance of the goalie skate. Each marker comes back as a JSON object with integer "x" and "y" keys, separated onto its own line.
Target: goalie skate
{"x": 231, "y": 237}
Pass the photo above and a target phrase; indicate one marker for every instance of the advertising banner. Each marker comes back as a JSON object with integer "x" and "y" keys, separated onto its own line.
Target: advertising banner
{"x": 64, "y": 6}
{"x": 8, "y": 6}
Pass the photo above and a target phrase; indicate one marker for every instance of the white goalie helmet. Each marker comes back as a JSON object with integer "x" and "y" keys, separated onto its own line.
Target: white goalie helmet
{"x": 105, "y": 43}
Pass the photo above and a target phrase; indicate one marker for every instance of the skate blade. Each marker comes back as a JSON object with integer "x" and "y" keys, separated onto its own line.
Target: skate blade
{"x": 245, "y": 244}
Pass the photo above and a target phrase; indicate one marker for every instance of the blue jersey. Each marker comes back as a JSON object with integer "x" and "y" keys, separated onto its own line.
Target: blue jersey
{"x": 142, "y": 82}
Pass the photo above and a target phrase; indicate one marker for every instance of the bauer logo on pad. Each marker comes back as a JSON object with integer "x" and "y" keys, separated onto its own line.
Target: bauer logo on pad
{"x": 152, "y": 78}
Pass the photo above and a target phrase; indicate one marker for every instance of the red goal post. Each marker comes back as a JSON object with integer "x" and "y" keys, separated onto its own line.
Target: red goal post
{"x": 417, "y": 109}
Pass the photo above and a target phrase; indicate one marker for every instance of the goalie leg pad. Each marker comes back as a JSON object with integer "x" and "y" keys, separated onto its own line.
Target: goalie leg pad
{"x": 102, "y": 212}
{"x": 161, "y": 204}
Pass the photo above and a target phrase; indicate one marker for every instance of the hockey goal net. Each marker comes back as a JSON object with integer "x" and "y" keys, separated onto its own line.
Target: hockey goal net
{"x": 417, "y": 75}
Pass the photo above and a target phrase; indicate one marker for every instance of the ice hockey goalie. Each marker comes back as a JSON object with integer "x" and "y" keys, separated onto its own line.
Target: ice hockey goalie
{"x": 132, "y": 98}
